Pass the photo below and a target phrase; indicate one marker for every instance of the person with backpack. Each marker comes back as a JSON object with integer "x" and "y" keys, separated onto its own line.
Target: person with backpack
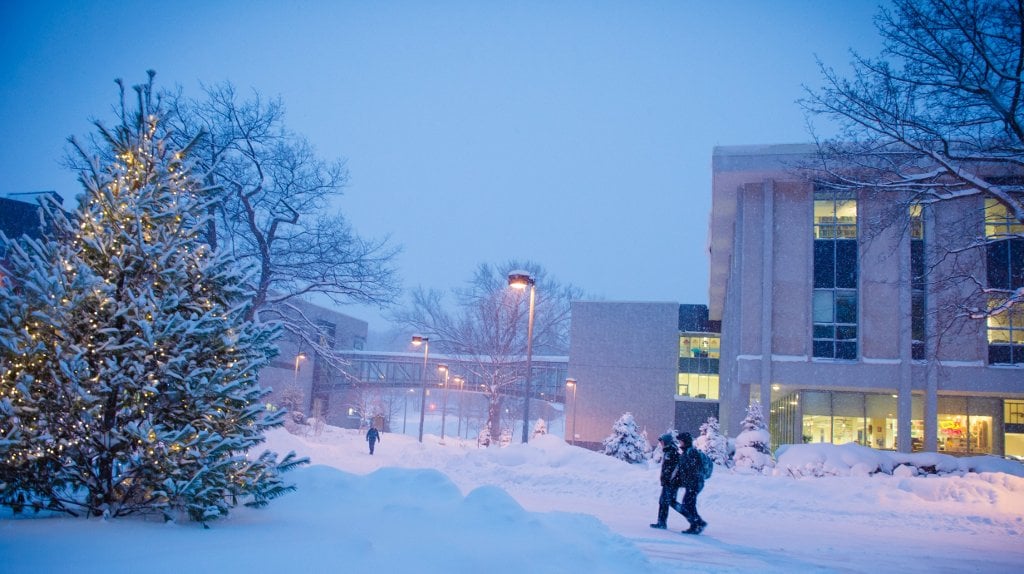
{"x": 669, "y": 480}
{"x": 691, "y": 477}
{"x": 372, "y": 436}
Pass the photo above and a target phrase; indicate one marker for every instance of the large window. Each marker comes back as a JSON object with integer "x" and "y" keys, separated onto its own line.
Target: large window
{"x": 834, "y": 307}
{"x": 964, "y": 423}
{"x": 917, "y": 284}
{"x": 1013, "y": 420}
{"x": 698, "y": 365}
{"x": 1005, "y": 272}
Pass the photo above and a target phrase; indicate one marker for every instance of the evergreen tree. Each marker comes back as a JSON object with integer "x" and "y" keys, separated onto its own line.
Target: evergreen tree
{"x": 712, "y": 442}
{"x": 627, "y": 442}
{"x": 43, "y": 410}
{"x": 484, "y": 438}
{"x": 150, "y": 400}
{"x": 540, "y": 428}
{"x": 753, "y": 452}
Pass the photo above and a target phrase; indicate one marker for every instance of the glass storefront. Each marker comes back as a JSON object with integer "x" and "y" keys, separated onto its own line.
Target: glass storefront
{"x": 1013, "y": 419}
{"x": 965, "y": 424}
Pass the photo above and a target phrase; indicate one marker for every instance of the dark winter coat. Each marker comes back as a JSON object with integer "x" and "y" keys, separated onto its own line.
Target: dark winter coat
{"x": 372, "y": 435}
{"x": 690, "y": 476}
{"x": 669, "y": 465}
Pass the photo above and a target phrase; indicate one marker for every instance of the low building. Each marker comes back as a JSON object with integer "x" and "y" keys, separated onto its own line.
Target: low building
{"x": 636, "y": 357}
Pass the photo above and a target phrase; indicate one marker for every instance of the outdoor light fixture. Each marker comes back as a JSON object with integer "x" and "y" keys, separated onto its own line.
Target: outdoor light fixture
{"x": 571, "y": 383}
{"x": 519, "y": 279}
{"x": 444, "y": 407}
{"x": 298, "y": 357}
{"x": 418, "y": 340}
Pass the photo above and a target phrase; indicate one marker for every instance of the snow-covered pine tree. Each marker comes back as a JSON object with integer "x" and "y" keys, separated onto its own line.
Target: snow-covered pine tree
{"x": 43, "y": 409}
{"x": 627, "y": 442}
{"x": 753, "y": 452}
{"x": 484, "y": 438}
{"x": 540, "y": 428}
{"x": 169, "y": 362}
{"x": 712, "y": 442}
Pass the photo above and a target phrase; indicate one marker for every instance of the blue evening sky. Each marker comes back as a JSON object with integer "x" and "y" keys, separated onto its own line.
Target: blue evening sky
{"x": 575, "y": 134}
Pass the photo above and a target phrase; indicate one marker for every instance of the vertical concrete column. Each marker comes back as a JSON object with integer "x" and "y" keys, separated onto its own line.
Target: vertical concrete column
{"x": 931, "y": 333}
{"x": 767, "y": 288}
{"x": 904, "y": 402}
{"x": 730, "y": 412}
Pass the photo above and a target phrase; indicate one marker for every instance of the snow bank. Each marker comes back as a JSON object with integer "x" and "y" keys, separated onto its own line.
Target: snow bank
{"x": 852, "y": 459}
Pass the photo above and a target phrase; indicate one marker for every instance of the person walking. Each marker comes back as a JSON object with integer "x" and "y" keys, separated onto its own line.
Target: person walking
{"x": 372, "y": 436}
{"x": 692, "y": 479}
{"x": 669, "y": 479}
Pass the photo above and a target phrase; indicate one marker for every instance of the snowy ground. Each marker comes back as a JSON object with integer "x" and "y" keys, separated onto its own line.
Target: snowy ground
{"x": 549, "y": 507}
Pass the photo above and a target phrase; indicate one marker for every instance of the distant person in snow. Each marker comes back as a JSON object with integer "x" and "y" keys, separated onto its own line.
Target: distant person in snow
{"x": 669, "y": 481}
{"x": 692, "y": 479}
{"x": 372, "y": 436}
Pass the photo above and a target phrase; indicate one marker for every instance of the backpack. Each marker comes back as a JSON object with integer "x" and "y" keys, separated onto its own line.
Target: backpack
{"x": 706, "y": 464}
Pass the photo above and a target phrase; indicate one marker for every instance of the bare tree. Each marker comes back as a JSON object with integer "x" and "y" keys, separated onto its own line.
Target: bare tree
{"x": 938, "y": 118}
{"x": 278, "y": 214}
{"x": 487, "y": 327}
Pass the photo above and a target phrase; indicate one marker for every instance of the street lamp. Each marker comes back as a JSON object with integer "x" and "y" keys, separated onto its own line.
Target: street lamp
{"x": 571, "y": 383}
{"x": 405, "y": 412}
{"x": 444, "y": 405}
{"x": 298, "y": 357}
{"x": 520, "y": 280}
{"x": 461, "y": 382}
{"x": 418, "y": 340}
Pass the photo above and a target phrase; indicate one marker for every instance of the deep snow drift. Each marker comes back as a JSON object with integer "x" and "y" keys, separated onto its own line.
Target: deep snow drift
{"x": 551, "y": 507}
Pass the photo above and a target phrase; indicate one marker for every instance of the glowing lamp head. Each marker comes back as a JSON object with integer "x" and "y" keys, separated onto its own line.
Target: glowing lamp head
{"x": 418, "y": 340}
{"x": 520, "y": 279}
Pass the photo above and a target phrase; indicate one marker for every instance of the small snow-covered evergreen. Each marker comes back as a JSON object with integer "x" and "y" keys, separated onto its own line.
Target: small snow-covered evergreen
{"x": 484, "y": 438}
{"x": 712, "y": 442}
{"x": 540, "y": 428}
{"x": 753, "y": 451}
{"x": 627, "y": 442}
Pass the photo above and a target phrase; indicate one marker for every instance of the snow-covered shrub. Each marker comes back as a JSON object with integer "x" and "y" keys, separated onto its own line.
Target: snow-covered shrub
{"x": 627, "y": 442}
{"x": 484, "y": 438}
{"x": 505, "y": 438}
{"x": 540, "y": 428}
{"x": 753, "y": 453}
{"x": 712, "y": 442}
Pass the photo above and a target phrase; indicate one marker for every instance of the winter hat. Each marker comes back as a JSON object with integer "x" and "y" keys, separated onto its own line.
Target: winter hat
{"x": 685, "y": 438}
{"x": 666, "y": 439}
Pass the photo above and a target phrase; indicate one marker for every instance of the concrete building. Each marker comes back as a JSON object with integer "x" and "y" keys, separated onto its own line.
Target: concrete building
{"x": 832, "y": 320}
{"x": 636, "y": 357}
{"x": 298, "y": 369}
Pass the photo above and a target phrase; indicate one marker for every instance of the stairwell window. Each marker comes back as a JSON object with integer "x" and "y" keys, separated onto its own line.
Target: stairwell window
{"x": 836, "y": 267}
{"x": 1004, "y": 262}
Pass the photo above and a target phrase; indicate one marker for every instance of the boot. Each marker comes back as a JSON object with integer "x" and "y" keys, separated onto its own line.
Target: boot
{"x": 659, "y": 525}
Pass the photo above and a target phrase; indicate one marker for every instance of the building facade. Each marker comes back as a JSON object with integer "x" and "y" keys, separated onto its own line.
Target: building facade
{"x": 635, "y": 357}
{"x": 841, "y": 324}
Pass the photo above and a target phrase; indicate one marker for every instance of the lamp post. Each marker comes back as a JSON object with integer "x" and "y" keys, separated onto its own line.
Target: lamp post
{"x": 571, "y": 383}
{"x": 418, "y": 340}
{"x": 461, "y": 382}
{"x": 444, "y": 403}
{"x": 405, "y": 412}
{"x": 520, "y": 280}
{"x": 298, "y": 357}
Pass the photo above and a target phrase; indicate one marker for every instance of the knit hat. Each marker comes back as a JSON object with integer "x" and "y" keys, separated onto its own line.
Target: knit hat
{"x": 685, "y": 438}
{"x": 666, "y": 439}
